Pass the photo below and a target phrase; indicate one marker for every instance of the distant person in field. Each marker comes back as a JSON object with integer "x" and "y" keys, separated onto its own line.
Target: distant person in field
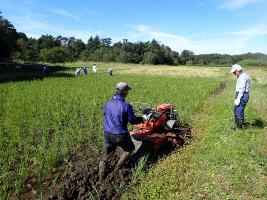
{"x": 242, "y": 94}
{"x": 117, "y": 114}
{"x": 85, "y": 71}
{"x": 18, "y": 67}
{"x": 94, "y": 69}
{"x": 110, "y": 72}
{"x": 77, "y": 72}
{"x": 45, "y": 70}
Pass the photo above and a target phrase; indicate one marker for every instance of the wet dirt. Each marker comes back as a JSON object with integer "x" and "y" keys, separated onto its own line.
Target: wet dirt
{"x": 84, "y": 183}
{"x": 81, "y": 180}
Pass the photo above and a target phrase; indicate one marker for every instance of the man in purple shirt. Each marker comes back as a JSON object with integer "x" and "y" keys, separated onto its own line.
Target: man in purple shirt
{"x": 117, "y": 114}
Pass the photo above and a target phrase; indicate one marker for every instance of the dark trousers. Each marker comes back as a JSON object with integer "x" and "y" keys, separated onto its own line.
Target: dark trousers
{"x": 111, "y": 141}
{"x": 239, "y": 110}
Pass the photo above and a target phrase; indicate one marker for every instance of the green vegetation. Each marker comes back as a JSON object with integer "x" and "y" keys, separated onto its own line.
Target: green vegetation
{"x": 220, "y": 163}
{"x": 44, "y": 122}
{"x": 139, "y": 171}
{"x": 253, "y": 62}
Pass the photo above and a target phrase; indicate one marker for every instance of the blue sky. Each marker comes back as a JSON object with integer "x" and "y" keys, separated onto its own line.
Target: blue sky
{"x": 203, "y": 26}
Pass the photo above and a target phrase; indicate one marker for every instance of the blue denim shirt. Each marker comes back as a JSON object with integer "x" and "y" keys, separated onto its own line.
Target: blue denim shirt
{"x": 117, "y": 114}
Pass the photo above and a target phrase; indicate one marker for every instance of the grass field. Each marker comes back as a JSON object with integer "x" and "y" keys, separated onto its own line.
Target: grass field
{"x": 220, "y": 163}
{"x": 161, "y": 70}
{"x": 46, "y": 121}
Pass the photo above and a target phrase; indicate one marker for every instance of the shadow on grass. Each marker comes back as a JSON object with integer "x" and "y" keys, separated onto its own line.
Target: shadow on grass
{"x": 257, "y": 123}
{"x": 12, "y": 72}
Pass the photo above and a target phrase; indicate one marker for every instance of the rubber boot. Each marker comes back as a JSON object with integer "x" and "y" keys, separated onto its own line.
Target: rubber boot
{"x": 239, "y": 123}
{"x": 122, "y": 160}
{"x": 235, "y": 126}
{"x": 101, "y": 170}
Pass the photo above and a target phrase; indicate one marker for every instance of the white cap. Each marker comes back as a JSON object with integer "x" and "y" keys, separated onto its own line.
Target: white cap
{"x": 236, "y": 67}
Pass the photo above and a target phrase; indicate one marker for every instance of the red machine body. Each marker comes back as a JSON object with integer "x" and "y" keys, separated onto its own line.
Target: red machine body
{"x": 162, "y": 127}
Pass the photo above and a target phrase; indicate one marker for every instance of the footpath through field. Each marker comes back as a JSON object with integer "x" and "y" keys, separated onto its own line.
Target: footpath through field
{"x": 220, "y": 163}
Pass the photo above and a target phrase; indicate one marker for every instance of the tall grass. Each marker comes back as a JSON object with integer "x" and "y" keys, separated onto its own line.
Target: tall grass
{"x": 139, "y": 170}
{"x": 220, "y": 163}
{"x": 45, "y": 121}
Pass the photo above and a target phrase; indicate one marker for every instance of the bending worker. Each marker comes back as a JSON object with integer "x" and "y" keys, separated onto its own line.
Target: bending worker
{"x": 242, "y": 94}
{"x": 117, "y": 114}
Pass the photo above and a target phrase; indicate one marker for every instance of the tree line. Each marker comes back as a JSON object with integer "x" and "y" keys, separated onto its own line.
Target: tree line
{"x": 16, "y": 46}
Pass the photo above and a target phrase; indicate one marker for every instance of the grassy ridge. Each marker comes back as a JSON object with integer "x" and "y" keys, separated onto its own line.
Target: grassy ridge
{"x": 220, "y": 164}
{"x": 43, "y": 122}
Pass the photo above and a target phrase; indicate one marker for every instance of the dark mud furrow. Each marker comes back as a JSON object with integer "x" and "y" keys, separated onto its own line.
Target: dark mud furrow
{"x": 85, "y": 184}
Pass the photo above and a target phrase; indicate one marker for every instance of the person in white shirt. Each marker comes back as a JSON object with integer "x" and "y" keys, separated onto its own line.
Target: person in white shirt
{"x": 110, "y": 72}
{"x": 77, "y": 72}
{"x": 94, "y": 69}
{"x": 242, "y": 94}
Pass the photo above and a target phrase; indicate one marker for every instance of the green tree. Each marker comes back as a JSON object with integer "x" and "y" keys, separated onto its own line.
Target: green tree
{"x": 63, "y": 41}
{"x": 26, "y": 50}
{"x": 150, "y": 58}
{"x": 54, "y": 55}
{"x": 187, "y": 57}
{"x": 154, "y": 54}
{"x": 8, "y": 36}
{"x": 74, "y": 48}
{"x": 48, "y": 42}
{"x": 93, "y": 44}
{"x": 106, "y": 42}
{"x": 175, "y": 57}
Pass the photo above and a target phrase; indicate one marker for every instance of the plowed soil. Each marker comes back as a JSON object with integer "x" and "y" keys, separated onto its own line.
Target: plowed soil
{"x": 84, "y": 182}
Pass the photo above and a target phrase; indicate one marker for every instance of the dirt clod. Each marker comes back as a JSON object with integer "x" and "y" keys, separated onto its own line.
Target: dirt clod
{"x": 34, "y": 192}
{"x": 85, "y": 184}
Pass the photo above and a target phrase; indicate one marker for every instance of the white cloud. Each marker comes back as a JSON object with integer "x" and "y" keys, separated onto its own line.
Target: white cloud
{"x": 142, "y": 28}
{"x": 171, "y": 39}
{"x": 250, "y": 32}
{"x": 147, "y": 32}
{"x": 35, "y": 28}
{"x": 27, "y": 23}
{"x": 230, "y": 42}
{"x": 236, "y": 4}
{"x": 220, "y": 45}
{"x": 66, "y": 13}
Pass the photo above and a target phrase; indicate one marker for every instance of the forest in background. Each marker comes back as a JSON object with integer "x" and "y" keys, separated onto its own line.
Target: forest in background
{"x": 17, "y": 47}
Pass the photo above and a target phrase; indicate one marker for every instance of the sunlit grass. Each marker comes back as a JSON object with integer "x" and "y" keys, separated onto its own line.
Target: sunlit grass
{"x": 186, "y": 71}
{"x": 43, "y": 122}
{"x": 220, "y": 163}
